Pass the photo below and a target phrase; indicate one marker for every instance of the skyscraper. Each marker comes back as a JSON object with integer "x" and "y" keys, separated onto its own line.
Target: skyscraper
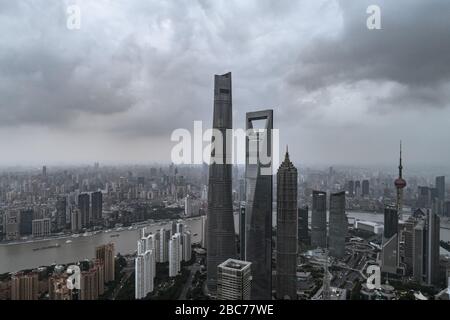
{"x": 287, "y": 230}
{"x": 220, "y": 236}
{"x": 419, "y": 249}
{"x": 408, "y": 243}
{"x": 319, "y": 220}
{"x": 303, "y": 236}
{"x": 365, "y": 188}
{"x": 61, "y": 206}
{"x": 426, "y": 249}
{"x": 433, "y": 247}
{"x": 390, "y": 246}
{"x": 258, "y": 211}
{"x": 439, "y": 201}
{"x": 83, "y": 206}
{"x": 234, "y": 280}
{"x": 440, "y": 186}
{"x": 97, "y": 205}
{"x": 338, "y": 225}
{"x": 400, "y": 184}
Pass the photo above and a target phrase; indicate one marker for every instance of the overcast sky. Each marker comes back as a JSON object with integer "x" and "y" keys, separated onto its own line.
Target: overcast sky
{"x": 115, "y": 90}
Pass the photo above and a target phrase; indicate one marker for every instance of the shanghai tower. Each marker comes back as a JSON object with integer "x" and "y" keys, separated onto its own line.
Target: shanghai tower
{"x": 220, "y": 233}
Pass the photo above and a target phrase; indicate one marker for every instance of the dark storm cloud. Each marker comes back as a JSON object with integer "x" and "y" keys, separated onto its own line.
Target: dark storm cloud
{"x": 412, "y": 51}
{"x": 137, "y": 70}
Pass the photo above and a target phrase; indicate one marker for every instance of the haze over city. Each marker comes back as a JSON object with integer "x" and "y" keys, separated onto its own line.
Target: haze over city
{"x": 115, "y": 90}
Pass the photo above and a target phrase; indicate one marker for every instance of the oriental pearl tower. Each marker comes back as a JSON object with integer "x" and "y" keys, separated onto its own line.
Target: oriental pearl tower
{"x": 400, "y": 184}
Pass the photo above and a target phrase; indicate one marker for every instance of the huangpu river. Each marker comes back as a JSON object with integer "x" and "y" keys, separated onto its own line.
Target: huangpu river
{"x": 23, "y": 255}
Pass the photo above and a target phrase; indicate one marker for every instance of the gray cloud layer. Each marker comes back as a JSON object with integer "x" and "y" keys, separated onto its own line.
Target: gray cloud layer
{"x": 139, "y": 69}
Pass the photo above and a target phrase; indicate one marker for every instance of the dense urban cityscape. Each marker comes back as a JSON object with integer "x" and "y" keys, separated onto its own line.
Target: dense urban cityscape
{"x": 225, "y": 158}
{"x": 223, "y": 231}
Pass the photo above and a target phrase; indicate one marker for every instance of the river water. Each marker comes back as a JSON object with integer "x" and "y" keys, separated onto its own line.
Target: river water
{"x": 19, "y": 256}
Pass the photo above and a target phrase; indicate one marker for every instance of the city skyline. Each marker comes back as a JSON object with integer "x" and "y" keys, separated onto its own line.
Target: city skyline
{"x": 174, "y": 151}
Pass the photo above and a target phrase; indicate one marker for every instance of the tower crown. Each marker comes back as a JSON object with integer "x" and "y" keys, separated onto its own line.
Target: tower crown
{"x": 400, "y": 183}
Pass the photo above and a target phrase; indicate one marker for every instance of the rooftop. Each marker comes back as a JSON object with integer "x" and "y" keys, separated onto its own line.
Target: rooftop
{"x": 235, "y": 264}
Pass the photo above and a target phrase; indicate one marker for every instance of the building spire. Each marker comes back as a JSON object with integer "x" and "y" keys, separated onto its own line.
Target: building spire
{"x": 287, "y": 152}
{"x": 400, "y": 167}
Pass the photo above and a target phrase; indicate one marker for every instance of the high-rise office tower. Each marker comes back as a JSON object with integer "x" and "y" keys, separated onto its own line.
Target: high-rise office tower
{"x": 419, "y": 252}
{"x": 106, "y": 255}
{"x": 439, "y": 201}
{"x": 400, "y": 184}
{"x": 97, "y": 205}
{"x": 83, "y": 206}
{"x": 440, "y": 187}
{"x": 220, "y": 236}
{"x": 303, "y": 236}
{"x": 390, "y": 246}
{"x": 287, "y": 230}
{"x": 174, "y": 255}
{"x": 408, "y": 243}
{"x": 61, "y": 207}
{"x": 234, "y": 280}
{"x": 338, "y": 225}
{"x": 365, "y": 188}
{"x": 426, "y": 250}
{"x": 258, "y": 211}
{"x": 44, "y": 172}
{"x": 24, "y": 286}
{"x": 319, "y": 220}
{"x": 144, "y": 274}
{"x": 433, "y": 247}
